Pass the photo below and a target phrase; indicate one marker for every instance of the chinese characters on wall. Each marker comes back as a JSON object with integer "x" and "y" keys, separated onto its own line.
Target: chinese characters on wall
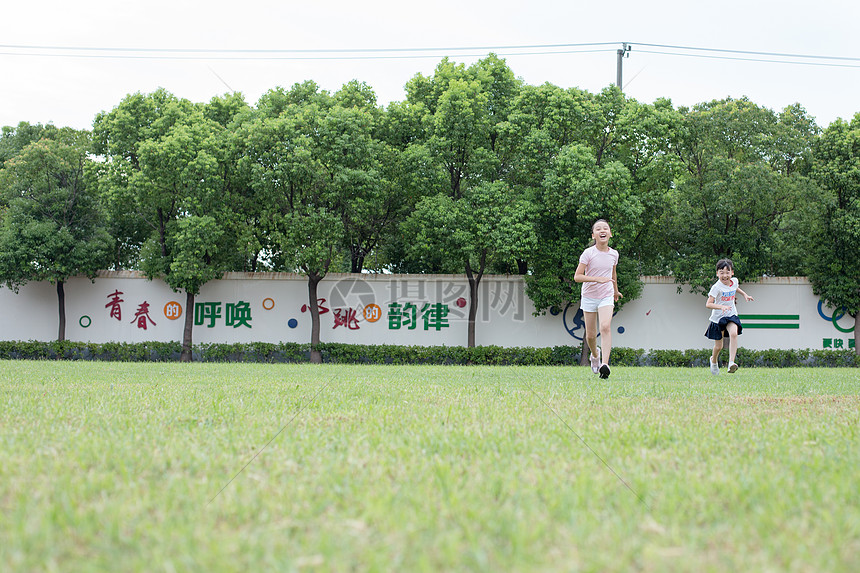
{"x": 412, "y": 306}
{"x": 141, "y": 317}
{"x": 235, "y": 315}
{"x": 837, "y": 343}
{"x": 205, "y": 313}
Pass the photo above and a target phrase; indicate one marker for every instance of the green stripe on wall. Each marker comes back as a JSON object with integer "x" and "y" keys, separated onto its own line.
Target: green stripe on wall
{"x": 769, "y": 316}
{"x": 780, "y": 325}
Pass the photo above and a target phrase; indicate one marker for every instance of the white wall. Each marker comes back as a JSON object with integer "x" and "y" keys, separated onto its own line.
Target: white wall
{"x": 661, "y": 319}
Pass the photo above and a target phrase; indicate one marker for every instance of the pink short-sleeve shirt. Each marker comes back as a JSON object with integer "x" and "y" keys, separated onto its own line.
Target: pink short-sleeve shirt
{"x": 598, "y": 264}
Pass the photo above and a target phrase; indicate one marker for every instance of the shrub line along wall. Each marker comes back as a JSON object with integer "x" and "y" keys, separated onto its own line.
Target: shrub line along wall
{"x": 335, "y": 353}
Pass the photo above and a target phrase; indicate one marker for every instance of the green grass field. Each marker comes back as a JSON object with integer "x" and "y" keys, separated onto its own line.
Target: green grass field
{"x": 225, "y": 467}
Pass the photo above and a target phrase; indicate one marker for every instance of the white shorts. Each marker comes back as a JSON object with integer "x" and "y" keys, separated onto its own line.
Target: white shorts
{"x": 592, "y": 304}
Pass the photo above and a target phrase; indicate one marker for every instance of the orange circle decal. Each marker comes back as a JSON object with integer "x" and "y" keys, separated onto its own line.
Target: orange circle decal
{"x": 372, "y": 312}
{"x": 173, "y": 310}
{"x": 268, "y": 303}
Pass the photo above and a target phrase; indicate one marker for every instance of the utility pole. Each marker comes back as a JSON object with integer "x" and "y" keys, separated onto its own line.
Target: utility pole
{"x": 624, "y": 51}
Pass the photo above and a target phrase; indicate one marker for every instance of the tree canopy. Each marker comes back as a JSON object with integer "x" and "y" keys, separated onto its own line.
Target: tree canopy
{"x": 474, "y": 172}
{"x": 51, "y": 227}
{"x": 834, "y": 233}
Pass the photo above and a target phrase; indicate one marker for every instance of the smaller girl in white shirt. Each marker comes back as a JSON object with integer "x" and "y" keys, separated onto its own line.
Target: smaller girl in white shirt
{"x": 724, "y": 314}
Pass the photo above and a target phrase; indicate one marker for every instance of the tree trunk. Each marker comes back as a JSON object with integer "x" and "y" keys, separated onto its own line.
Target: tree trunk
{"x": 522, "y": 267}
{"x": 856, "y": 333}
{"x": 474, "y": 283}
{"x": 313, "y": 281}
{"x": 356, "y": 254}
{"x": 187, "y": 331}
{"x": 585, "y": 354}
{"x": 61, "y": 305}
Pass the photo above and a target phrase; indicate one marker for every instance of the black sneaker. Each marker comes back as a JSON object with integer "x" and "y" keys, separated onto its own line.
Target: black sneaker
{"x": 604, "y": 371}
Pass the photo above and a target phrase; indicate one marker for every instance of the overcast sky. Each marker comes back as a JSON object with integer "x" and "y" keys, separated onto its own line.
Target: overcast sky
{"x": 42, "y": 84}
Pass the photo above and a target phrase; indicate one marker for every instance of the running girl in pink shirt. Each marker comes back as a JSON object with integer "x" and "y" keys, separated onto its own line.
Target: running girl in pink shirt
{"x": 596, "y": 272}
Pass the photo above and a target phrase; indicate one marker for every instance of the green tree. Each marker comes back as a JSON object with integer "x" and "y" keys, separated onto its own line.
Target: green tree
{"x": 15, "y": 139}
{"x": 460, "y": 134}
{"x": 538, "y": 125}
{"x": 161, "y": 170}
{"x": 564, "y": 149}
{"x": 309, "y": 240}
{"x": 51, "y": 229}
{"x": 363, "y": 173}
{"x": 232, "y": 116}
{"x": 731, "y": 194}
{"x": 642, "y": 135}
{"x": 795, "y": 134}
{"x": 575, "y": 193}
{"x": 415, "y": 174}
{"x": 457, "y": 226}
{"x": 117, "y": 136}
{"x": 833, "y": 262}
{"x": 545, "y": 119}
{"x": 483, "y": 225}
{"x": 414, "y": 171}
{"x": 464, "y": 111}
{"x": 289, "y": 172}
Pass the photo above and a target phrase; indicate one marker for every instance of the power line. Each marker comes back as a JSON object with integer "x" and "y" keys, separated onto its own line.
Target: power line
{"x": 347, "y": 54}
{"x": 297, "y": 51}
{"x": 294, "y": 58}
{"x": 776, "y": 54}
{"x": 770, "y": 61}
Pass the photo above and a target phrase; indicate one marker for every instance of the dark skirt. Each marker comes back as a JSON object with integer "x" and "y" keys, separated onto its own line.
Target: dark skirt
{"x": 717, "y": 330}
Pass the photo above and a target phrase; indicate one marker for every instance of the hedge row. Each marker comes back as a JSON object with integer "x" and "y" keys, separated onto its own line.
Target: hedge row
{"x": 385, "y": 354}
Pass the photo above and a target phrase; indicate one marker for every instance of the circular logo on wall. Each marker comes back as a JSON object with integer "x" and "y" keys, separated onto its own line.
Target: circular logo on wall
{"x": 573, "y": 321}
{"x": 173, "y": 310}
{"x": 834, "y": 318}
{"x": 372, "y": 312}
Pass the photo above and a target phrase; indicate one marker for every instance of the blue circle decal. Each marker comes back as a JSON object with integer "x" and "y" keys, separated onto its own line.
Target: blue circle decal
{"x": 573, "y": 324}
{"x": 577, "y": 322}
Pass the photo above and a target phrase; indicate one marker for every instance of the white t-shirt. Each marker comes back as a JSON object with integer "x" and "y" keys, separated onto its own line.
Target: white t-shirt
{"x": 598, "y": 264}
{"x": 724, "y": 294}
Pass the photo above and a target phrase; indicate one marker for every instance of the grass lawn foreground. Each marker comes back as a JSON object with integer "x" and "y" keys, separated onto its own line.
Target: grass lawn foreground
{"x": 226, "y": 467}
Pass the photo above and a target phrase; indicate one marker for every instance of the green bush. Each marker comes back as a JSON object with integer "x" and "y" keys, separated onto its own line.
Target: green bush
{"x": 669, "y": 358}
{"x": 338, "y": 353}
{"x": 252, "y": 352}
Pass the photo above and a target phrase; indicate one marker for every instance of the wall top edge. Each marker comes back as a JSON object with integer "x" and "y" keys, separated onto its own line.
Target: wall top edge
{"x": 759, "y": 280}
{"x": 388, "y": 277}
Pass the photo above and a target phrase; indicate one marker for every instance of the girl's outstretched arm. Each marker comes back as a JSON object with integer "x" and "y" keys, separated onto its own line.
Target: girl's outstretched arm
{"x": 746, "y": 296}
